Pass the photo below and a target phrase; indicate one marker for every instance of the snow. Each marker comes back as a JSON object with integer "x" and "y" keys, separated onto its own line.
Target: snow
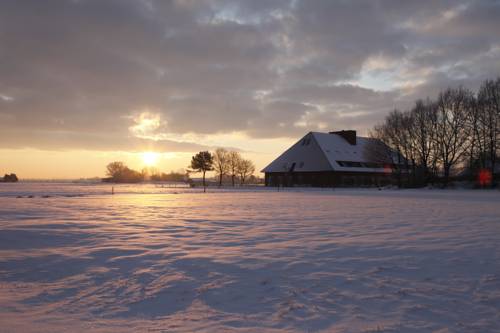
{"x": 336, "y": 148}
{"x": 176, "y": 260}
{"x": 307, "y": 157}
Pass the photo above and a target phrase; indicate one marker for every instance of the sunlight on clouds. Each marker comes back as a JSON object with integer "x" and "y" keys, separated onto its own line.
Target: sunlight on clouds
{"x": 428, "y": 24}
{"x": 378, "y": 74}
{"x": 323, "y": 126}
{"x": 353, "y": 114}
{"x": 409, "y": 79}
{"x": 300, "y": 124}
{"x": 378, "y": 62}
{"x": 149, "y": 125}
{"x": 261, "y": 94}
{"x": 6, "y": 98}
{"x": 146, "y": 123}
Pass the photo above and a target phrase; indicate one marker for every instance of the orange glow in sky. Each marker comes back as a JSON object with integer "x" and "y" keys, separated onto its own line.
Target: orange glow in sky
{"x": 150, "y": 158}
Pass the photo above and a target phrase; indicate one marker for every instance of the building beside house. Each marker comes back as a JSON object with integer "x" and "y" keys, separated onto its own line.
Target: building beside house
{"x": 334, "y": 159}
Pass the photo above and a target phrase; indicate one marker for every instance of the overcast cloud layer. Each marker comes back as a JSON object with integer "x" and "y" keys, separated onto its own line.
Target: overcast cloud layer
{"x": 109, "y": 75}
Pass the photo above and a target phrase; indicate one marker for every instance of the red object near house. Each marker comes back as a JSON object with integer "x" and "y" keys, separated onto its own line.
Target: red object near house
{"x": 484, "y": 177}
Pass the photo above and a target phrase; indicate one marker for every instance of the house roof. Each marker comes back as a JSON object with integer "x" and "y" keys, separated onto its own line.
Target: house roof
{"x": 326, "y": 152}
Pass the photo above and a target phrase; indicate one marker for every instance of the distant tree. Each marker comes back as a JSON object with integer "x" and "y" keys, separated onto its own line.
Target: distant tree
{"x": 156, "y": 177}
{"x": 115, "y": 169}
{"x": 151, "y": 173}
{"x": 245, "y": 169}
{"x": 130, "y": 176}
{"x": 234, "y": 161}
{"x": 221, "y": 163}
{"x": 120, "y": 173}
{"x": 172, "y": 177}
{"x": 12, "y": 178}
{"x": 146, "y": 175}
{"x": 202, "y": 162}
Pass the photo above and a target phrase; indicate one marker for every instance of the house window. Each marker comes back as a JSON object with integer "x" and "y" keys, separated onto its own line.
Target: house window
{"x": 301, "y": 164}
{"x": 372, "y": 165}
{"x": 351, "y": 164}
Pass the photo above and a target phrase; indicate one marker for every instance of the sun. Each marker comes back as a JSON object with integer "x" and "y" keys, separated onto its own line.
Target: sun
{"x": 150, "y": 158}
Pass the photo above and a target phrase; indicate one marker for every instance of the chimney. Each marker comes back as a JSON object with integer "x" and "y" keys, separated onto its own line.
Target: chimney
{"x": 349, "y": 136}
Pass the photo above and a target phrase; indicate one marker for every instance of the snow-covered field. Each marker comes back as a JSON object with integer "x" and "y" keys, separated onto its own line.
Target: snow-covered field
{"x": 76, "y": 259}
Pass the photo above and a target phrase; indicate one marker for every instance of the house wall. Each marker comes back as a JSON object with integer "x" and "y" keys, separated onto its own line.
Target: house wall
{"x": 327, "y": 179}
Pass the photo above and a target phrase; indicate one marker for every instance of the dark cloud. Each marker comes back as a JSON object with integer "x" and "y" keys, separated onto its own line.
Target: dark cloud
{"x": 83, "y": 69}
{"x": 338, "y": 94}
{"x": 337, "y": 37}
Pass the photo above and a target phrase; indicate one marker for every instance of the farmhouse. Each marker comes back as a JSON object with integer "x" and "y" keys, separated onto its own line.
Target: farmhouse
{"x": 333, "y": 159}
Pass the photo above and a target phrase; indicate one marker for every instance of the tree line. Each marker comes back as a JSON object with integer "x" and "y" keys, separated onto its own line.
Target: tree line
{"x": 224, "y": 163}
{"x": 119, "y": 172}
{"x": 460, "y": 129}
{"x": 9, "y": 178}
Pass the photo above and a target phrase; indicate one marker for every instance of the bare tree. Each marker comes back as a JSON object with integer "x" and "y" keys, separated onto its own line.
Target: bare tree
{"x": 234, "y": 159}
{"x": 423, "y": 133}
{"x": 394, "y": 131}
{"x": 115, "y": 169}
{"x": 246, "y": 168}
{"x": 384, "y": 148}
{"x": 452, "y": 135}
{"x": 221, "y": 163}
{"x": 443, "y": 134}
{"x": 408, "y": 143}
{"x": 489, "y": 120}
{"x": 477, "y": 133}
{"x": 376, "y": 151}
{"x": 120, "y": 173}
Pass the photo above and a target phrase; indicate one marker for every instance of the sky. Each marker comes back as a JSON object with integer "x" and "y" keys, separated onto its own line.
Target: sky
{"x": 84, "y": 83}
